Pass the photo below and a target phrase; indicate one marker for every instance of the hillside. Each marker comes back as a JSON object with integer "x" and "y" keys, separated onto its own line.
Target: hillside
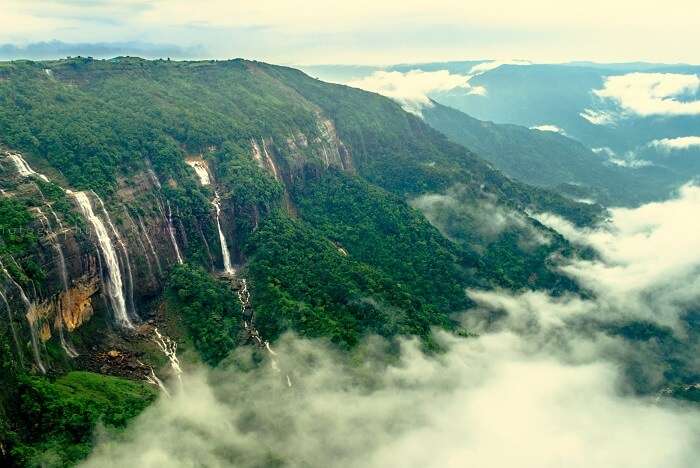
{"x": 552, "y": 160}
{"x": 155, "y": 206}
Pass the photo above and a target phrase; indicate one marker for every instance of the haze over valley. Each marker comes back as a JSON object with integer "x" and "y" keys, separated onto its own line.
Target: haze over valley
{"x": 357, "y": 246}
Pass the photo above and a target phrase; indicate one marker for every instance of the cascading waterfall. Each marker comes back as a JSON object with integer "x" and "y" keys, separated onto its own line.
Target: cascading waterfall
{"x": 171, "y": 231}
{"x": 127, "y": 260}
{"x": 153, "y": 379}
{"x": 115, "y": 288}
{"x": 51, "y": 235}
{"x": 278, "y": 178}
{"x": 34, "y": 333}
{"x": 141, "y": 244}
{"x": 225, "y": 254}
{"x": 150, "y": 245}
{"x": 270, "y": 162}
{"x": 249, "y": 326}
{"x": 13, "y": 329}
{"x": 202, "y": 172}
{"x": 169, "y": 349}
{"x": 23, "y": 168}
{"x": 257, "y": 156}
{"x": 55, "y": 217}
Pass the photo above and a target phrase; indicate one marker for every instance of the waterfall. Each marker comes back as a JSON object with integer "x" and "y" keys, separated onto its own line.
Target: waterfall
{"x": 200, "y": 168}
{"x": 228, "y": 268}
{"x": 141, "y": 244}
{"x": 30, "y": 318}
{"x": 270, "y": 162}
{"x": 171, "y": 231}
{"x": 249, "y": 326}
{"x": 278, "y": 178}
{"x": 150, "y": 244}
{"x": 13, "y": 329}
{"x": 114, "y": 279}
{"x": 257, "y": 156}
{"x": 127, "y": 260}
{"x": 50, "y": 234}
{"x": 169, "y": 349}
{"x": 153, "y": 379}
{"x": 23, "y": 168}
{"x": 55, "y": 216}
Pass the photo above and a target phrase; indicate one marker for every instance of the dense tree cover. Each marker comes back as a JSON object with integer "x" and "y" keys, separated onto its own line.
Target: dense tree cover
{"x": 51, "y": 422}
{"x": 399, "y": 152}
{"x": 247, "y": 184}
{"x": 208, "y": 308}
{"x": 379, "y": 229}
{"x": 356, "y": 260}
{"x": 95, "y": 119}
{"x": 303, "y": 282}
{"x": 18, "y": 239}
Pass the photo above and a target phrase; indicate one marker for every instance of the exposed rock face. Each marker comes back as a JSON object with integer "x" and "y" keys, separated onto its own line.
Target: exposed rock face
{"x": 333, "y": 150}
{"x": 148, "y": 236}
{"x": 326, "y": 146}
{"x": 38, "y": 316}
{"x": 75, "y": 304}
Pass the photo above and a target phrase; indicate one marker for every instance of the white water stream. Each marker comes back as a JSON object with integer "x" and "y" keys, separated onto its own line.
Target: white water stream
{"x": 34, "y": 333}
{"x": 63, "y": 272}
{"x": 115, "y": 285}
{"x": 171, "y": 231}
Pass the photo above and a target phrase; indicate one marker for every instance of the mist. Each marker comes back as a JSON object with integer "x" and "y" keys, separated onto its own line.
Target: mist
{"x": 488, "y": 402}
{"x": 545, "y": 381}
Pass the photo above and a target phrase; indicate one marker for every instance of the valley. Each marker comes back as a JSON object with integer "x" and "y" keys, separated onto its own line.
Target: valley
{"x": 170, "y": 225}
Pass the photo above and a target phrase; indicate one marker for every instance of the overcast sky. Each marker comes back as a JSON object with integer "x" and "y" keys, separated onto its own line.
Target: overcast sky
{"x": 361, "y": 31}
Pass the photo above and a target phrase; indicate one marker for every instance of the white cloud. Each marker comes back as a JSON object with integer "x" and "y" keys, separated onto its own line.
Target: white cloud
{"x": 628, "y": 160}
{"x": 673, "y": 144}
{"x": 631, "y": 163}
{"x": 549, "y": 128}
{"x": 411, "y": 89}
{"x": 598, "y": 117}
{"x": 490, "y": 65}
{"x": 606, "y": 151}
{"x": 539, "y": 382}
{"x": 648, "y": 94}
{"x": 490, "y": 402}
{"x": 450, "y": 214}
{"x": 364, "y": 31}
{"x": 650, "y": 258}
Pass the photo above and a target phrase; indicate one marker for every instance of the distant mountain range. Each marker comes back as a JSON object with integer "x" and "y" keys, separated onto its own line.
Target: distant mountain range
{"x": 621, "y": 133}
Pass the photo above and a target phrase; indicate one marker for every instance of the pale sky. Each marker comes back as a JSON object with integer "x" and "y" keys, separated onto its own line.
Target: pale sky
{"x": 371, "y": 31}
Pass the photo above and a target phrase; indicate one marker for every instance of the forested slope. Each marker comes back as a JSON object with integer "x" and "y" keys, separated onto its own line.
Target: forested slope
{"x": 166, "y": 191}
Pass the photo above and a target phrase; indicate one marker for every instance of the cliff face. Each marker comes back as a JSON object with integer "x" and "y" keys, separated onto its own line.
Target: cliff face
{"x": 118, "y": 170}
{"x": 284, "y": 199}
{"x": 147, "y": 231}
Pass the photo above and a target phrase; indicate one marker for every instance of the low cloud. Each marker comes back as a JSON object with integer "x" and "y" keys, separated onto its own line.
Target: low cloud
{"x": 483, "y": 220}
{"x": 645, "y": 95}
{"x": 542, "y": 379}
{"x": 599, "y": 117}
{"x": 668, "y": 145}
{"x": 629, "y": 160}
{"x": 459, "y": 408}
{"x": 549, "y": 128}
{"x": 649, "y": 266}
{"x": 412, "y": 89}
